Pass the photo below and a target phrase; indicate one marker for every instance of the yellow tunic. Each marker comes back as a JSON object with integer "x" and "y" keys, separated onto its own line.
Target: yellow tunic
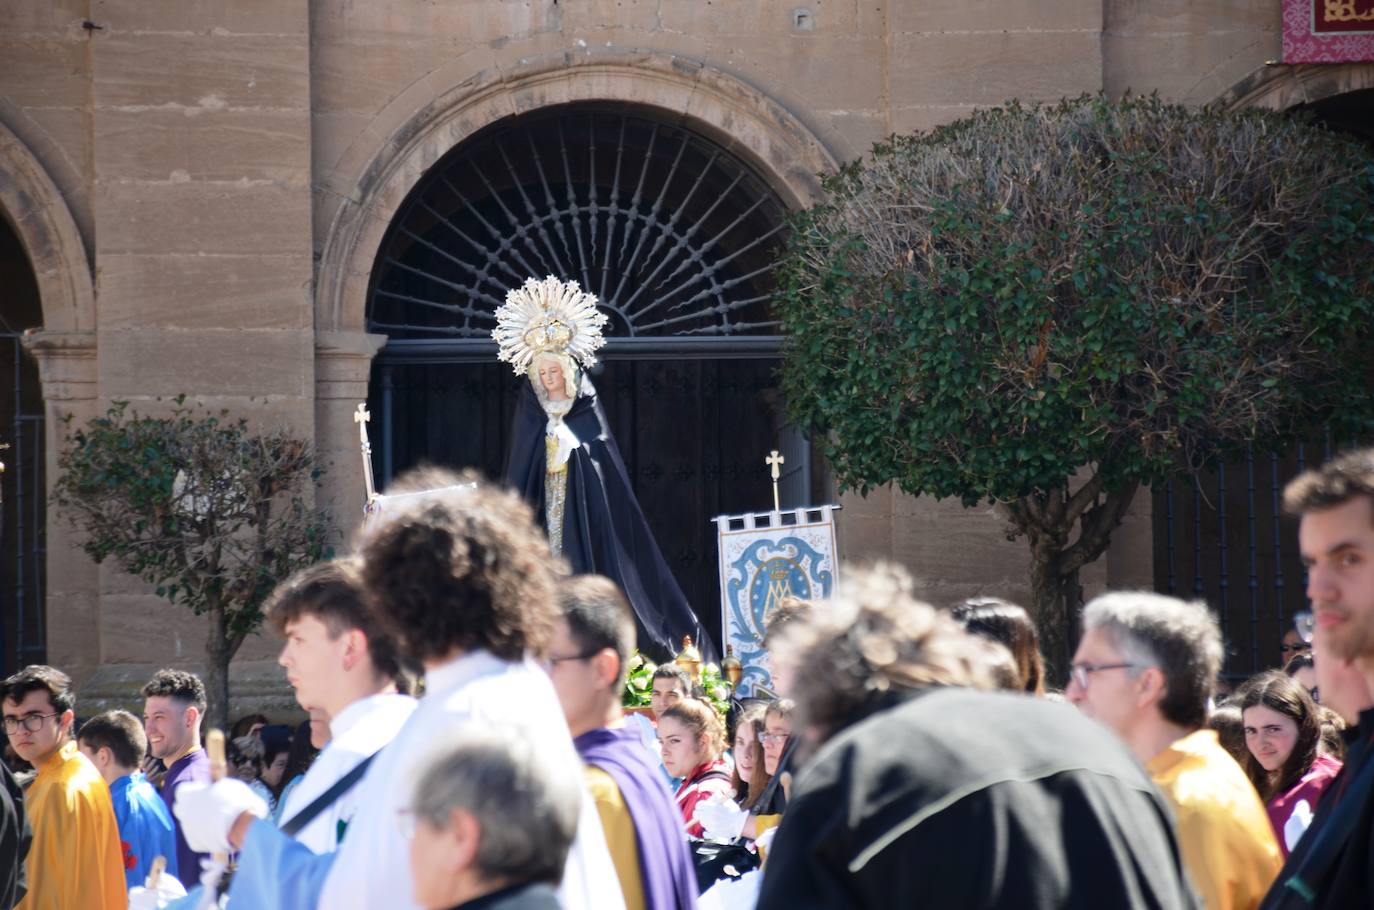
{"x": 1227, "y": 842}
{"x": 763, "y": 823}
{"x": 75, "y": 862}
{"x": 620, "y": 834}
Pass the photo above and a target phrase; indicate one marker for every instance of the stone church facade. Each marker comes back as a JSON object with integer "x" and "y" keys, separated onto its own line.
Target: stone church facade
{"x": 196, "y": 197}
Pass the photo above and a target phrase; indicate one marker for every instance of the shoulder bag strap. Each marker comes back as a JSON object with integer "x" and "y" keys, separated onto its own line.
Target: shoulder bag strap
{"x": 327, "y": 798}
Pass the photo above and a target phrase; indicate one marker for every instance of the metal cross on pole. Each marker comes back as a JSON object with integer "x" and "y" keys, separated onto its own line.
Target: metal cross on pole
{"x": 775, "y": 461}
{"x": 361, "y": 417}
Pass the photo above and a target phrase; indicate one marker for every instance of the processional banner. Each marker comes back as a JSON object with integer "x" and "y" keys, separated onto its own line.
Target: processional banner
{"x": 765, "y": 557}
{"x": 1328, "y": 31}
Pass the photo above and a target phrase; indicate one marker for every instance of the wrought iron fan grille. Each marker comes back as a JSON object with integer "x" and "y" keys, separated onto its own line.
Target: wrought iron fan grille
{"x": 672, "y": 233}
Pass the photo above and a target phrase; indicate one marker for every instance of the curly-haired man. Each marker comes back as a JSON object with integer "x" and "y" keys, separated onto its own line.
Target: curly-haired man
{"x": 173, "y": 705}
{"x": 466, "y": 584}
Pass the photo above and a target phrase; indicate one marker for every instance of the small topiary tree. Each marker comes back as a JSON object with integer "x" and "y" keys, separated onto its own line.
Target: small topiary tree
{"x": 212, "y": 513}
{"x": 1046, "y": 307}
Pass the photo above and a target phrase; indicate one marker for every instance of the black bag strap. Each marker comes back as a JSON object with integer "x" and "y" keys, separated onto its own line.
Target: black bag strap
{"x": 328, "y": 797}
{"x": 717, "y": 774}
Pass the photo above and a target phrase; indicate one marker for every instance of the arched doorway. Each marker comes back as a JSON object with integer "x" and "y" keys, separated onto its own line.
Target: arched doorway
{"x": 676, "y": 236}
{"x": 22, "y": 504}
{"x": 1349, "y": 112}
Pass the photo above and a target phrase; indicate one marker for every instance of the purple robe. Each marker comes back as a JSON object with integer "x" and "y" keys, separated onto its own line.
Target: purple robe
{"x": 193, "y": 767}
{"x": 665, "y": 865}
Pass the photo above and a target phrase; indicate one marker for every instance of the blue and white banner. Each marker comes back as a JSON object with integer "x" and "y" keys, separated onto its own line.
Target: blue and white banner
{"x": 765, "y": 557}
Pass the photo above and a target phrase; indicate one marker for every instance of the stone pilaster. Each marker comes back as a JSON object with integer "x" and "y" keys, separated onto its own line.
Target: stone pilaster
{"x": 343, "y": 365}
{"x": 68, "y": 370}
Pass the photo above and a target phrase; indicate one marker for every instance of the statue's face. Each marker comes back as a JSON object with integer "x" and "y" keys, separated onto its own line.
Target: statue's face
{"x": 551, "y": 377}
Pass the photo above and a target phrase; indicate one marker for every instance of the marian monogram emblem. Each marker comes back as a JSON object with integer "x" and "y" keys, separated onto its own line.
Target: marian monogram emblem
{"x": 762, "y": 562}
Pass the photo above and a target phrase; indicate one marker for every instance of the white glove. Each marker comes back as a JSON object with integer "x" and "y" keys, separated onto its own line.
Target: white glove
{"x": 168, "y": 889}
{"x": 764, "y": 843}
{"x": 1298, "y": 823}
{"x": 207, "y": 812}
{"x": 721, "y": 817}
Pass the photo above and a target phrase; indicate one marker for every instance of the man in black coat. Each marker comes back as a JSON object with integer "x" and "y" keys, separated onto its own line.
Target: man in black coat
{"x": 14, "y": 841}
{"x": 928, "y": 792}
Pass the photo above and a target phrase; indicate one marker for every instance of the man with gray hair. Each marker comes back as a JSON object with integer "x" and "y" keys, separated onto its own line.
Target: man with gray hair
{"x": 1145, "y": 668}
{"x": 928, "y": 792}
{"x": 491, "y": 822}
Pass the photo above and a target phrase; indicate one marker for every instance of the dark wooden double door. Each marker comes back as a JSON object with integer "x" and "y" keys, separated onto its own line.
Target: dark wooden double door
{"x": 693, "y": 434}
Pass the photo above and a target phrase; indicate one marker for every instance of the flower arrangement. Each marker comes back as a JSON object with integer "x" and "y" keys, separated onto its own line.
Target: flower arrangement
{"x": 639, "y": 684}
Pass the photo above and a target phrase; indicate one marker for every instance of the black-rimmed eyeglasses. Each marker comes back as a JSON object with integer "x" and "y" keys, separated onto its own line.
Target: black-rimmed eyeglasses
{"x": 1082, "y": 673}
{"x": 32, "y": 722}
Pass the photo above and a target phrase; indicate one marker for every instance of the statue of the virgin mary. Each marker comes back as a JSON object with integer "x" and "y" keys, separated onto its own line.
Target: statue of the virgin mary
{"x": 564, "y": 460}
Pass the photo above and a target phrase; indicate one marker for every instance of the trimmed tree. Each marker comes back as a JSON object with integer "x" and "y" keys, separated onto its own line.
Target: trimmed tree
{"x": 211, "y": 513}
{"x": 1047, "y": 307}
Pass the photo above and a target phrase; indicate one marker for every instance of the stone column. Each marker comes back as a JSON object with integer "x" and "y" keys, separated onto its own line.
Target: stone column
{"x": 68, "y": 370}
{"x": 343, "y": 365}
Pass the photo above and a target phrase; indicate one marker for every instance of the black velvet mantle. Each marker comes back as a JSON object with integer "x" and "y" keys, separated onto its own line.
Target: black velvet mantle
{"x": 604, "y": 531}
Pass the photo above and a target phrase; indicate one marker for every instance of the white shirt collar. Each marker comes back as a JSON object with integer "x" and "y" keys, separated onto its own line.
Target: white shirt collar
{"x": 359, "y": 711}
{"x": 460, "y": 670}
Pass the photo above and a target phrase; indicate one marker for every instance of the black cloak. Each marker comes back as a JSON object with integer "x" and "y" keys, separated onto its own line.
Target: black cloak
{"x": 604, "y": 531}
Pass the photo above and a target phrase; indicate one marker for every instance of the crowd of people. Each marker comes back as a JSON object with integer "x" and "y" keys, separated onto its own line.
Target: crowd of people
{"x": 466, "y": 747}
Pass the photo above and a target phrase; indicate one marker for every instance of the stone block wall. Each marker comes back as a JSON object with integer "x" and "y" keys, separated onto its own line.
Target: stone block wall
{"x": 211, "y": 156}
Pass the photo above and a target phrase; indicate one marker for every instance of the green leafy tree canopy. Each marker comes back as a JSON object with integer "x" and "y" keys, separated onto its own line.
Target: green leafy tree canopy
{"x": 1044, "y": 307}
{"x": 210, "y": 512}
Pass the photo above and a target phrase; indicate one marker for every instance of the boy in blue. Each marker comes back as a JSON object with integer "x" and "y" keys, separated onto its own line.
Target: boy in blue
{"x": 115, "y": 744}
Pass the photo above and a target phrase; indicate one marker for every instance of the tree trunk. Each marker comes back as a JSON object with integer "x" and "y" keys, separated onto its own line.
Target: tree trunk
{"x": 1048, "y": 521}
{"x": 217, "y": 656}
{"x": 1054, "y": 604}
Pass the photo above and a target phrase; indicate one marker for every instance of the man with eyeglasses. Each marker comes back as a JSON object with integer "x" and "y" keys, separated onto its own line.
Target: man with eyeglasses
{"x": 1291, "y": 646}
{"x": 587, "y": 661}
{"x": 1145, "y": 669}
{"x": 1333, "y": 864}
{"x": 75, "y": 859}
{"x": 924, "y": 791}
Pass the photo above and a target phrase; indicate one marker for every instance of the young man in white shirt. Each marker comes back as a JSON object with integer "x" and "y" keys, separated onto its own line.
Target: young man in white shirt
{"x": 341, "y": 662}
{"x": 465, "y": 579}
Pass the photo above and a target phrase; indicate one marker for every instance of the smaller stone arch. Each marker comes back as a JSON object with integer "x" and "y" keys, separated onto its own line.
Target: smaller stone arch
{"x": 1279, "y": 87}
{"x": 736, "y": 116}
{"x": 35, "y": 208}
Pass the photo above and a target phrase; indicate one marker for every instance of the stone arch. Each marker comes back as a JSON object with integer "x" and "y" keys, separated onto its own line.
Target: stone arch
{"x": 1281, "y": 87}
{"x": 736, "y": 116}
{"x": 34, "y": 207}
{"x": 64, "y": 349}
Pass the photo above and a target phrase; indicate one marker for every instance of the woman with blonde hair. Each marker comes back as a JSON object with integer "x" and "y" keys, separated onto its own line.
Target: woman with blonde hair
{"x": 692, "y": 740}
